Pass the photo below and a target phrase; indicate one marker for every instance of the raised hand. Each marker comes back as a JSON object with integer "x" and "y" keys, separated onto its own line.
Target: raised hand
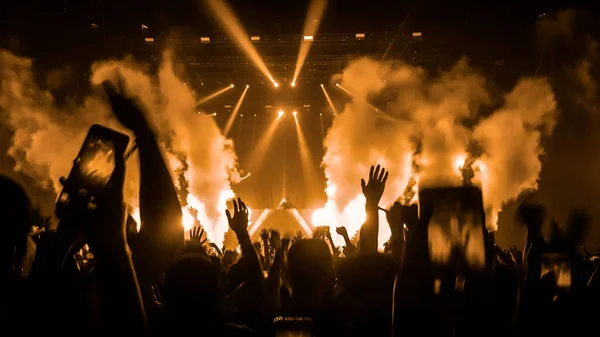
{"x": 239, "y": 220}
{"x": 264, "y": 236}
{"x": 196, "y": 235}
{"x": 275, "y": 239}
{"x": 394, "y": 218}
{"x": 373, "y": 189}
{"x": 342, "y": 231}
{"x": 126, "y": 110}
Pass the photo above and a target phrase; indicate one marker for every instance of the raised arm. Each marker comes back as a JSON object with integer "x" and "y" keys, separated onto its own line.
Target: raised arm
{"x": 373, "y": 190}
{"x": 239, "y": 224}
{"x": 161, "y": 235}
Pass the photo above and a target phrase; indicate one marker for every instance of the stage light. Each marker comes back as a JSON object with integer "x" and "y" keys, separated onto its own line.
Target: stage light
{"x": 255, "y": 38}
{"x": 232, "y": 85}
{"x": 205, "y": 39}
{"x": 320, "y": 114}
{"x": 149, "y": 39}
{"x": 276, "y": 85}
{"x": 337, "y": 84}
{"x": 417, "y": 34}
{"x": 280, "y": 114}
{"x": 247, "y": 86}
{"x": 228, "y": 106}
{"x": 214, "y": 114}
{"x": 241, "y": 115}
{"x": 360, "y": 36}
{"x": 294, "y": 113}
{"x": 254, "y": 115}
{"x": 321, "y": 84}
{"x": 308, "y": 37}
{"x": 293, "y": 84}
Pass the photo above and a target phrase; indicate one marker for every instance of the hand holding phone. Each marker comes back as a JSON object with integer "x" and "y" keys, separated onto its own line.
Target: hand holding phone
{"x": 92, "y": 171}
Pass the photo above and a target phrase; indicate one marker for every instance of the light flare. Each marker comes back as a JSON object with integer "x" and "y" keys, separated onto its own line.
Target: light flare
{"x": 316, "y": 9}
{"x": 213, "y": 95}
{"x": 234, "y": 28}
{"x": 235, "y": 111}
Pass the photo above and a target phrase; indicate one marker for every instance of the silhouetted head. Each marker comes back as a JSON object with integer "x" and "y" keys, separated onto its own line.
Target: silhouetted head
{"x": 192, "y": 287}
{"x": 15, "y": 208}
{"x": 311, "y": 268}
{"x": 531, "y": 215}
{"x": 577, "y": 226}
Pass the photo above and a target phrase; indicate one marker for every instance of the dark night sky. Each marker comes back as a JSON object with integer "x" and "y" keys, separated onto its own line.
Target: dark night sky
{"x": 53, "y": 31}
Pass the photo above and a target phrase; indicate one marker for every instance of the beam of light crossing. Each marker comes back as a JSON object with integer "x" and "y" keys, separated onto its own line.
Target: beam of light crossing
{"x": 258, "y": 154}
{"x": 234, "y": 28}
{"x": 305, "y": 155}
{"x": 344, "y": 90}
{"x": 329, "y": 102}
{"x": 377, "y": 110}
{"x": 322, "y": 126}
{"x": 316, "y": 9}
{"x": 234, "y": 113}
{"x": 213, "y": 95}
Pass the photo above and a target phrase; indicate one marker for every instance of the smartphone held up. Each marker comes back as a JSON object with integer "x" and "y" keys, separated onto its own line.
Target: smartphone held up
{"x": 93, "y": 167}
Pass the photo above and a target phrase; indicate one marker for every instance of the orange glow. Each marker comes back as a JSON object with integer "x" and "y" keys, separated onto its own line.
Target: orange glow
{"x": 280, "y": 114}
{"x": 234, "y": 113}
{"x": 234, "y": 28}
{"x": 316, "y": 9}
{"x": 276, "y": 85}
{"x": 352, "y": 217}
{"x": 294, "y": 113}
{"x": 213, "y": 95}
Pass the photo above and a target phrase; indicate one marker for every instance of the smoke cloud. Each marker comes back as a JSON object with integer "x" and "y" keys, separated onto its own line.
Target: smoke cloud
{"x": 430, "y": 122}
{"x": 47, "y": 139}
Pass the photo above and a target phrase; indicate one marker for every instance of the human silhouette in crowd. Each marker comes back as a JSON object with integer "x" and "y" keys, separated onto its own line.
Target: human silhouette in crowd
{"x": 96, "y": 274}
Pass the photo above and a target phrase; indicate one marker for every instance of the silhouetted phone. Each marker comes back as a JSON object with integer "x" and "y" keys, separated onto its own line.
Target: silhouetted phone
{"x": 455, "y": 228}
{"x": 293, "y": 326}
{"x": 560, "y": 266}
{"x": 95, "y": 163}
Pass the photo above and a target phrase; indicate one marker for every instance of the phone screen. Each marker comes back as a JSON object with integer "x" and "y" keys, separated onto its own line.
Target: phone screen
{"x": 455, "y": 228}
{"x": 559, "y": 265}
{"x": 96, "y": 162}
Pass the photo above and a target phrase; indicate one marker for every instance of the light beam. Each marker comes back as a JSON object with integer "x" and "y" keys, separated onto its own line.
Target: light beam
{"x": 329, "y": 102}
{"x": 213, "y": 95}
{"x": 234, "y": 28}
{"x": 316, "y": 8}
{"x": 234, "y": 113}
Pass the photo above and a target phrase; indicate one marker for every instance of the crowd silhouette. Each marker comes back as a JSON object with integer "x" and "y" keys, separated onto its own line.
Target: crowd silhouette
{"x": 96, "y": 274}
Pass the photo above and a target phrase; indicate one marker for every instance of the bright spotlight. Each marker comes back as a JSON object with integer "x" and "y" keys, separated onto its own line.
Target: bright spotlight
{"x": 321, "y": 84}
{"x": 294, "y": 113}
{"x": 280, "y": 114}
{"x": 308, "y": 38}
{"x": 337, "y": 84}
{"x": 247, "y": 86}
{"x": 232, "y": 85}
{"x": 293, "y": 84}
{"x": 276, "y": 85}
{"x": 214, "y": 114}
